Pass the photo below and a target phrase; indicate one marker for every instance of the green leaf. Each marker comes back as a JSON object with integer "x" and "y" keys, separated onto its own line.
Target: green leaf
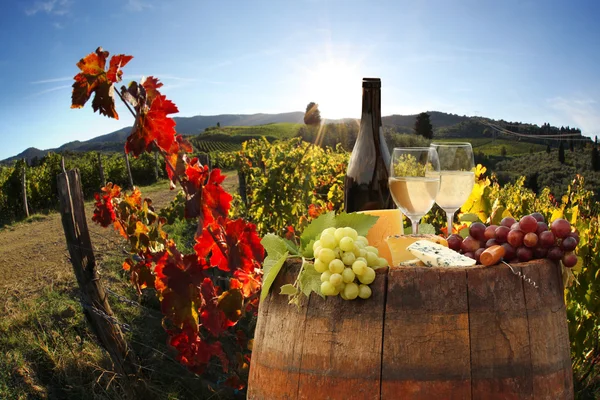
{"x": 270, "y": 274}
{"x": 288, "y": 289}
{"x": 274, "y": 246}
{"x": 358, "y": 221}
{"x": 291, "y": 247}
{"x": 309, "y": 279}
{"x": 315, "y": 228}
{"x": 469, "y": 218}
{"x": 308, "y": 250}
{"x": 463, "y": 233}
{"x": 424, "y": 229}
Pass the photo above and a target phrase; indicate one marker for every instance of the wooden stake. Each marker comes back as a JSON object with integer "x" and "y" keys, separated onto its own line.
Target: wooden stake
{"x": 24, "y": 182}
{"x": 102, "y": 177}
{"x": 129, "y": 170}
{"x": 156, "y": 176}
{"x": 93, "y": 297}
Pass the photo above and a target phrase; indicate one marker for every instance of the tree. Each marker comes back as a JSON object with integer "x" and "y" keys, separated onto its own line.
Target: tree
{"x": 571, "y": 145}
{"x": 218, "y": 124}
{"x": 312, "y": 116}
{"x": 423, "y": 126}
{"x": 503, "y": 151}
{"x": 548, "y": 149}
{"x": 561, "y": 153}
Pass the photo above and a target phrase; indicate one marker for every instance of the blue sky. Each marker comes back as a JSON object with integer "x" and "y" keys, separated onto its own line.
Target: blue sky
{"x": 530, "y": 61}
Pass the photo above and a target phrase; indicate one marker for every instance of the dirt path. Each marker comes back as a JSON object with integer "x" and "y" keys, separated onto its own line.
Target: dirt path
{"x": 33, "y": 254}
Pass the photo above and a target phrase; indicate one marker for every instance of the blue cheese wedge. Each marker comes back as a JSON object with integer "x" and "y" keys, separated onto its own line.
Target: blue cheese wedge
{"x": 412, "y": 263}
{"x": 435, "y": 255}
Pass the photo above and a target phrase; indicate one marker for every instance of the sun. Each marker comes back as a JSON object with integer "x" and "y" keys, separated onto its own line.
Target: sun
{"x": 335, "y": 85}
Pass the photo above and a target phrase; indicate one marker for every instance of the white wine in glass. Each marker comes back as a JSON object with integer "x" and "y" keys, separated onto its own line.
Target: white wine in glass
{"x": 456, "y": 177}
{"x": 414, "y": 181}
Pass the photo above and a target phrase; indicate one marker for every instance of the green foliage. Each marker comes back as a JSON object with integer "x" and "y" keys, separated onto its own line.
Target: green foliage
{"x": 42, "y": 192}
{"x": 284, "y": 178}
{"x": 544, "y": 170}
{"x": 561, "y": 153}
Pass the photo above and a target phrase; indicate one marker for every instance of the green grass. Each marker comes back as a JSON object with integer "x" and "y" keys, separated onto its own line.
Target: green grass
{"x": 494, "y": 148}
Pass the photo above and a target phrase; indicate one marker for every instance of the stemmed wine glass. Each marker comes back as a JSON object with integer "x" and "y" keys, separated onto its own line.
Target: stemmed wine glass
{"x": 414, "y": 181}
{"x": 456, "y": 177}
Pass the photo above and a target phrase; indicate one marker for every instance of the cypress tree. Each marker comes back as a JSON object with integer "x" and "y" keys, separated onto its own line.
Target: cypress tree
{"x": 561, "y": 153}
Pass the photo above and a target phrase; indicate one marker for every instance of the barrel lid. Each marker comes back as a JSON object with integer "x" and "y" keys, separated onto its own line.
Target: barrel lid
{"x": 371, "y": 83}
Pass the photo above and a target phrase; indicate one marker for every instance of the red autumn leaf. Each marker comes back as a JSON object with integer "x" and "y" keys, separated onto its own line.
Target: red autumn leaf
{"x": 206, "y": 198}
{"x": 231, "y": 303}
{"x": 153, "y": 126}
{"x": 141, "y": 273}
{"x": 251, "y": 282}
{"x": 211, "y": 317}
{"x": 93, "y": 78}
{"x": 196, "y": 353}
{"x": 114, "y": 73}
{"x": 104, "y": 212}
{"x": 180, "y": 299}
{"x": 151, "y": 85}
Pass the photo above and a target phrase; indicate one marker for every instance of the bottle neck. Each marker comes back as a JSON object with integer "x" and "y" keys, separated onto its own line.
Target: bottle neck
{"x": 371, "y": 106}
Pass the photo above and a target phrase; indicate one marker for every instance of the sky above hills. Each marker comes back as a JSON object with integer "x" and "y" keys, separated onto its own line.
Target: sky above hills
{"x": 529, "y": 61}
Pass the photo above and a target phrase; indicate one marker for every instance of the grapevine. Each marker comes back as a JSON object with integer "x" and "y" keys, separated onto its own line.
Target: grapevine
{"x": 203, "y": 295}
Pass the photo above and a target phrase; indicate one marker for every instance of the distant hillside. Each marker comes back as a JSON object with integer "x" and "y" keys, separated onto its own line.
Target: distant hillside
{"x": 287, "y": 125}
{"x": 185, "y": 125}
{"x": 406, "y": 123}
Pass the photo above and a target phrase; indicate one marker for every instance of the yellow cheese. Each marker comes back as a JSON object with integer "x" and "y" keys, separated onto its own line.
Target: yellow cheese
{"x": 398, "y": 243}
{"x": 389, "y": 223}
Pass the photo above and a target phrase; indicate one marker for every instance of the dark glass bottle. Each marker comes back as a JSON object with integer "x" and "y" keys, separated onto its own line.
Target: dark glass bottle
{"x": 366, "y": 183}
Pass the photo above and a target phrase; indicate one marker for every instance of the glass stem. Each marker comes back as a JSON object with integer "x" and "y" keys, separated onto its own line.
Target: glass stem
{"x": 415, "y": 226}
{"x": 450, "y": 219}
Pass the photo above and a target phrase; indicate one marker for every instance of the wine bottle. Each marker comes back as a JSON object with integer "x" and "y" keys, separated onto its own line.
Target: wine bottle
{"x": 366, "y": 183}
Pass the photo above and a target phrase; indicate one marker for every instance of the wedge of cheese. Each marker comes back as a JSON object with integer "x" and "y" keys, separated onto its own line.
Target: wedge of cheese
{"x": 412, "y": 263}
{"x": 389, "y": 223}
{"x": 397, "y": 245}
{"x": 436, "y": 255}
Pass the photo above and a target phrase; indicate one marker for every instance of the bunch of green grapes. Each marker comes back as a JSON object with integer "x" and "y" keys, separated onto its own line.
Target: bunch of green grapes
{"x": 346, "y": 262}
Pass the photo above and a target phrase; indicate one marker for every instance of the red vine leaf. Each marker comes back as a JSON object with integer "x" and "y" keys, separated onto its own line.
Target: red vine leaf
{"x": 141, "y": 273}
{"x": 94, "y": 79}
{"x": 211, "y": 317}
{"x": 153, "y": 126}
{"x": 231, "y": 303}
{"x": 196, "y": 353}
{"x": 104, "y": 212}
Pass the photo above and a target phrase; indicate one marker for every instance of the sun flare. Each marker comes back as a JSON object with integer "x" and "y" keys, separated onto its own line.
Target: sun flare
{"x": 335, "y": 85}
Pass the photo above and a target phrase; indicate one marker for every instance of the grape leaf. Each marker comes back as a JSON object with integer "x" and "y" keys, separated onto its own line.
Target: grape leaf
{"x": 271, "y": 274}
{"x": 315, "y": 228}
{"x": 288, "y": 289}
{"x": 275, "y": 247}
{"x": 309, "y": 280}
{"x": 425, "y": 229}
{"x": 308, "y": 251}
{"x": 358, "y": 221}
{"x": 469, "y": 218}
{"x": 93, "y": 78}
{"x": 291, "y": 246}
{"x": 153, "y": 126}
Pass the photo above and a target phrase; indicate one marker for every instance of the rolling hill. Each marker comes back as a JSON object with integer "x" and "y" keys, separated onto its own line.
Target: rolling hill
{"x": 286, "y": 125}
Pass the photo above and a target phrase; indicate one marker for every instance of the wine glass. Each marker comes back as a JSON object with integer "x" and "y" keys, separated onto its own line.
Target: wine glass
{"x": 456, "y": 177}
{"x": 414, "y": 181}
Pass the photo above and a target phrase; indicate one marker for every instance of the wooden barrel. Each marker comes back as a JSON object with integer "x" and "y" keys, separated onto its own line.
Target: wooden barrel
{"x": 427, "y": 333}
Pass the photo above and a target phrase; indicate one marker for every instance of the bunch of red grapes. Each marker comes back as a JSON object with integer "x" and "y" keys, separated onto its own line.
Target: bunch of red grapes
{"x": 528, "y": 239}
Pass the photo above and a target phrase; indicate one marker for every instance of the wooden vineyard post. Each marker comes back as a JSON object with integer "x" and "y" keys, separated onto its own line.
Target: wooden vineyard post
{"x": 156, "y": 176}
{"x": 128, "y": 170}
{"x": 93, "y": 297}
{"x": 242, "y": 187}
{"x": 24, "y": 182}
{"x": 102, "y": 177}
